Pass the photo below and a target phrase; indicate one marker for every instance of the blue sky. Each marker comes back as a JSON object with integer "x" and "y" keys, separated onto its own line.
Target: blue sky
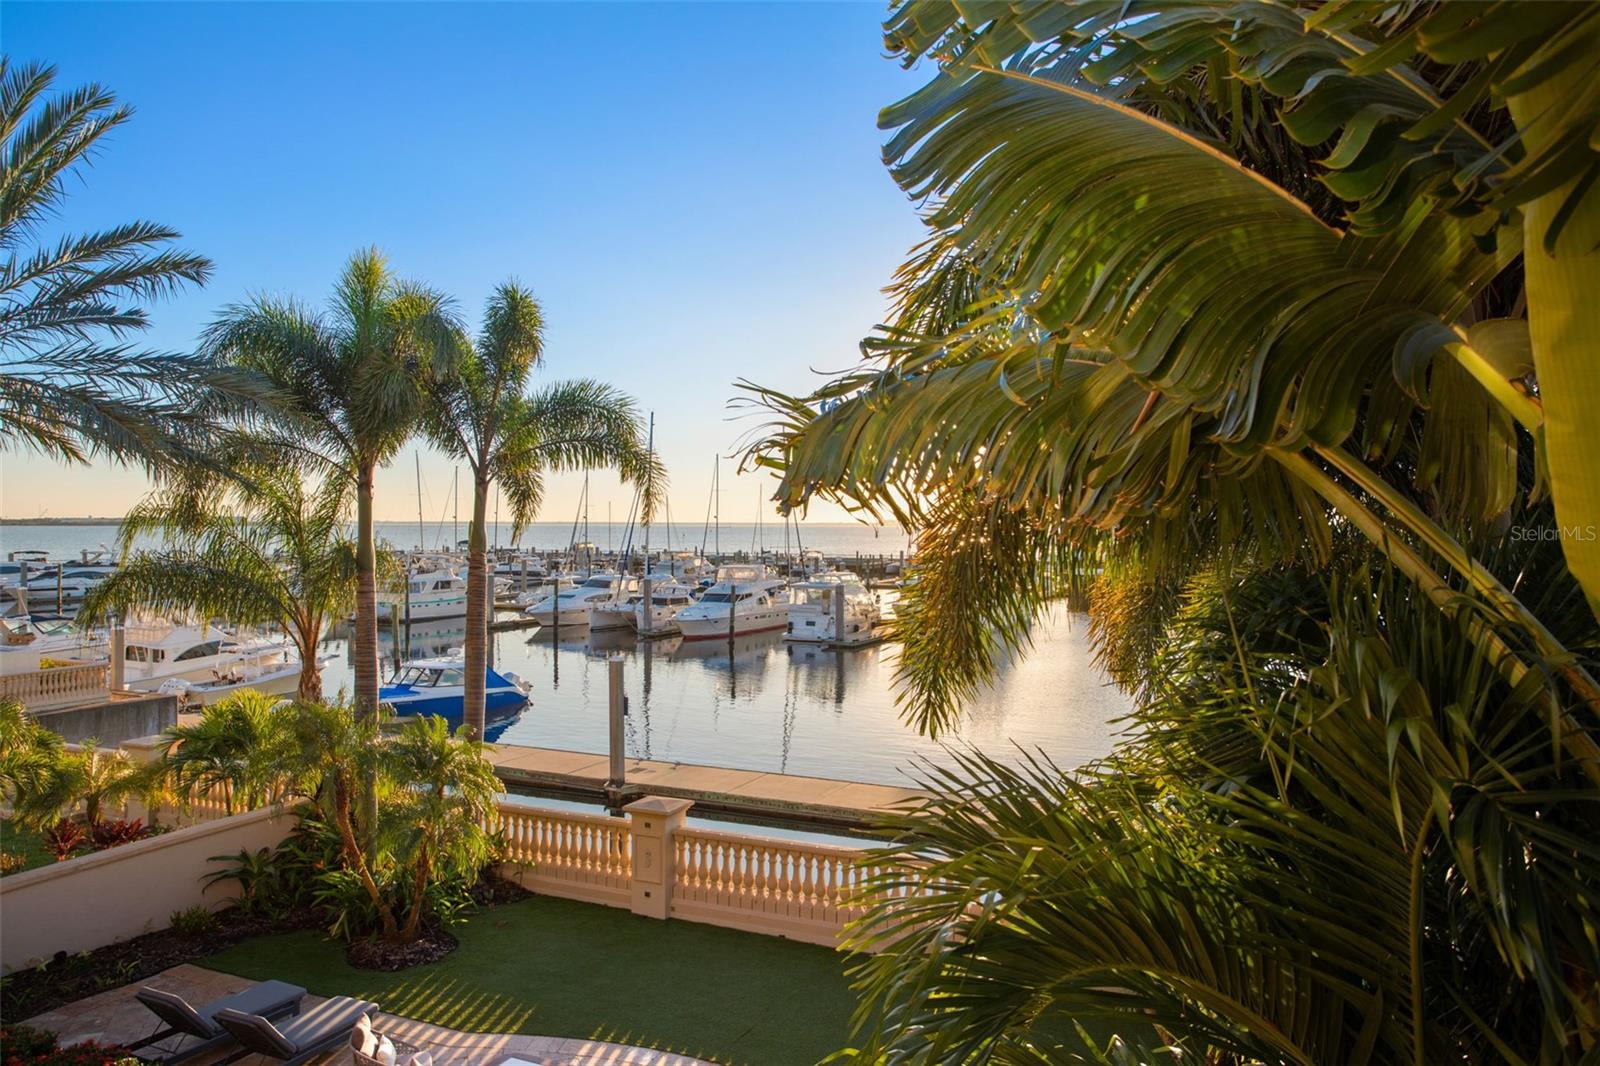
{"x": 695, "y": 191}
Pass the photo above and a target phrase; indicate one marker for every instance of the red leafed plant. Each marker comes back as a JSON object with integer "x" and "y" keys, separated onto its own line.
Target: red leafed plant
{"x": 65, "y": 838}
{"x": 122, "y": 831}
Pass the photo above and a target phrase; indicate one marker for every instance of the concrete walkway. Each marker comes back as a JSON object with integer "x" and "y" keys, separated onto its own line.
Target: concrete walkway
{"x": 711, "y": 787}
{"x": 116, "y": 1017}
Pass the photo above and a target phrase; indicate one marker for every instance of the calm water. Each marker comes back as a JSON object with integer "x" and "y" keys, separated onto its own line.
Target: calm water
{"x": 768, "y": 705}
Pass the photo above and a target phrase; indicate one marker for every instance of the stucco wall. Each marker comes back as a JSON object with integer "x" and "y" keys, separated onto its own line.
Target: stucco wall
{"x": 112, "y": 895}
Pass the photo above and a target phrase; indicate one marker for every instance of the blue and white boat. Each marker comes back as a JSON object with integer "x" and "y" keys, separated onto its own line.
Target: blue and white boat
{"x": 437, "y": 687}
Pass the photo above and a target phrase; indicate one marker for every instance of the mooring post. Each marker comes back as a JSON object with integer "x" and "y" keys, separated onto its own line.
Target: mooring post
{"x": 617, "y": 779}
{"x": 118, "y": 652}
{"x": 646, "y": 591}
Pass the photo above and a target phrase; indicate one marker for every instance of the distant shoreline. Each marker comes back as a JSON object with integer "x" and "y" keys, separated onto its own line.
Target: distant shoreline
{"x": 60, "y": 521}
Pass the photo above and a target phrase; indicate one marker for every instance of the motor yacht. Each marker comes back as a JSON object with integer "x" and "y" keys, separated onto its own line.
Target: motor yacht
{"x": 659, "y": 617}
{"x": 743, "y": 599}
{"x": 832, "y": 608}
{"x": 154, "y": 652}
{"x": 434, "y": 594}
{"x": 570, "y": 607}
{"x": 272, "y": 674}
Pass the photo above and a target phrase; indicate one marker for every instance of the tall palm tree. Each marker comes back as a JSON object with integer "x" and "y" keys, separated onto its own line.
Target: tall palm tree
{"x": 484, "y": 416}
{"x": 270, "y": 550}
{"x": 71, "y": 386}
{"x": 356, "y": 380}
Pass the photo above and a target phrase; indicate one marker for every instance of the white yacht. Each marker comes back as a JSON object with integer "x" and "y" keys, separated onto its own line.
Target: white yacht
{"x": 269, "y": 672}
{"x": 616, "y": 612}
{"x": 435, "y": 594}
{"x": 744, "y": 599}
{"x": 28, "y": 644}
{"x": 668, "y": 597}
{"x": 156, "y": 652}
{"x": 832, "y": 608}
{"x": 570, "y": 607}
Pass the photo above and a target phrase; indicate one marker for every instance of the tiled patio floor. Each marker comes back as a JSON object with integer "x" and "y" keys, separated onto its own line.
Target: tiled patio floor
{"x": 116, "y": 1017}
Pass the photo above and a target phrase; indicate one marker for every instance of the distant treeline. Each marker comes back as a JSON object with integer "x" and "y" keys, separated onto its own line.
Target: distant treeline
{"x": 60, "y": 521}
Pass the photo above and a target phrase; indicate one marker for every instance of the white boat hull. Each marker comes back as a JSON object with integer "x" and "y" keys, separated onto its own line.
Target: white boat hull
{"x": 570, "y": 616}
{"x": 280, "y": 682}
{"x": 604, "y": 618}
{"x": 760, "y": 620}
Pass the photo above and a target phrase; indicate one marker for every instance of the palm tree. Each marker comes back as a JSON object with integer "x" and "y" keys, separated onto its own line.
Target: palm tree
{"x": 451, "y": 798}
{"x": 71, "y": 387}
{"x": 1214, "y": 291}
{"x": 356, "y": 380}
{"x": 240, "y": 745}
{"x": 270, "y": 550}
{"x": 28, "y": 752}
{"x": 484, "y": 416}
{"x": 89, "y": 777}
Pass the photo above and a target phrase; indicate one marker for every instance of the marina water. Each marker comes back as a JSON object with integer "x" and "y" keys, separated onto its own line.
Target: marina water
{"x": 762, "y": 704}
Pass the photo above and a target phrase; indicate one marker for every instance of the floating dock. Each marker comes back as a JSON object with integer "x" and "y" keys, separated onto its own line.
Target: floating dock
{"x": 756, "y": 794}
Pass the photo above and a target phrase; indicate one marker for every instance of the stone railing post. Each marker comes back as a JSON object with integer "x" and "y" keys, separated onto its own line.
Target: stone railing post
{"x": 119, "y": 644}
{"x": 652, "y": 821}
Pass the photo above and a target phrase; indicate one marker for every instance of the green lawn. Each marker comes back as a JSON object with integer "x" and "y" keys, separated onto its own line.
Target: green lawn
{"x": 558, "y": 968}
{"x": 14, "y": 841}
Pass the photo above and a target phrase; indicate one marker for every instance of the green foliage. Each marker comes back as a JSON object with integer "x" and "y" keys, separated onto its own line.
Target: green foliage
{"x": 87, "y": 782}
{"x": 432, "y": 838}
{"x": 71, "y": 387}
{"x": 29, "y": 753}
{"x": 269, "y": 549}
{"x": 242, "y": 747}
{"x": 1339, "y": 835}
{"x": 196, "y": 921}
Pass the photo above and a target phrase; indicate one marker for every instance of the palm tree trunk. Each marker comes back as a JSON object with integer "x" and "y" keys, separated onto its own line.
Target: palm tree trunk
{"x": 366, "y": 632}
{"x": 356, "y": 858}
{"x": 476, "y": 650}
{"x": 310, "y": 690}
{"x": 365, "y": 640}
{"x": 419, "y": 888}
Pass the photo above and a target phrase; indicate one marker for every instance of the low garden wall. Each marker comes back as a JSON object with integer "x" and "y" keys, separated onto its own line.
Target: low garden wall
{"x": 118, "y": 893}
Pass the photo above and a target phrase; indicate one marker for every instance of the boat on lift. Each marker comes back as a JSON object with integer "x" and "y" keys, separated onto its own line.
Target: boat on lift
{"x": 743, "y": 599}
{"x": 832, "y": 608}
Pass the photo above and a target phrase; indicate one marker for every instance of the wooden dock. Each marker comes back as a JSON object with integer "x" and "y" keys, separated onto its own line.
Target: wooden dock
{"x": 714, "y": 789}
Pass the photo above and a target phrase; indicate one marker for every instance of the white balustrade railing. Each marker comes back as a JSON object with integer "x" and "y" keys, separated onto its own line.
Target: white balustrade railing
{"x": 58, "y": 686}
{"x": 567, "y": 853}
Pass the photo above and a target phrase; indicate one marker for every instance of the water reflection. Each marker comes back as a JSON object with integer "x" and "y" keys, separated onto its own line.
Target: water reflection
{"x": 761, "y": 703}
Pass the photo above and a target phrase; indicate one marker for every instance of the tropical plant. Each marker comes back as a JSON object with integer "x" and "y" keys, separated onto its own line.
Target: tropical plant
{"x": 29, "y": 752}
{"x": 71, "y": 387}
{"x": 88, "y": 780}
{"x": 445, "y": 810}
{"x": 355, "y": 381}
{"x": 240, "y": 747}
{"x": 268, "y": 549}
{"x": 430, "y": 842}
{"x": 1374, "y": 856}
{"x": 1230, "y": 272}
{"x": 484, "y": 416}
{"x": 1213, "y": 293}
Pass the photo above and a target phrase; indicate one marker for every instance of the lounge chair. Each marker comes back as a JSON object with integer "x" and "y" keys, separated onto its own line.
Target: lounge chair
{"x": 322, "y": 1028}
{"x": 270, "y": 999}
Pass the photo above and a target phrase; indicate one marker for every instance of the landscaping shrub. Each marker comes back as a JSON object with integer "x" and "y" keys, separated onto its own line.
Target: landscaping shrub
{"x": 121, "y": 831}
{"x": 25, "y": 1046}
{"x": 194, "y": 921}
{"x": 66, "y": 838}
{"x": 25, "y": 1043}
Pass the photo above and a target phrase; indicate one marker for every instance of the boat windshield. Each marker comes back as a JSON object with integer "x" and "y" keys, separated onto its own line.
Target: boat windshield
{"x": 598, "y": 583}
{"x": 714, "y": 597}
{"x": 429, "y": 677}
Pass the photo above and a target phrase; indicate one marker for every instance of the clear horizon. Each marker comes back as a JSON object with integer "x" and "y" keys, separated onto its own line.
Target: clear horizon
{"x": 685, "y": 223}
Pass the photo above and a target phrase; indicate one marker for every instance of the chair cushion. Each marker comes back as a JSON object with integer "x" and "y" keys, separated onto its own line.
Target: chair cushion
{"x": 256, "y": 1034}
{"x": 268, "y": 999}
{"x": 362, "y": 1040}
{"x": 332, "y": 1018}
{"x": 176, "y": 1012}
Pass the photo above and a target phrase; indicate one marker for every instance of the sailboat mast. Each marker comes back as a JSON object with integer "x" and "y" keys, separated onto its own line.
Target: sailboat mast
{"x": 716, "y": 508}
{"x": 650, "y": 447}
{"x": 422, "y": 535}
{"x": 455, "y": 505}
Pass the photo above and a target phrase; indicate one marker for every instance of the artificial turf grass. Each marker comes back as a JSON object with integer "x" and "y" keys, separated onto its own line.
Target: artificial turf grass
{"x": 15, "y": 840}
{"x": 553, "y": 967}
